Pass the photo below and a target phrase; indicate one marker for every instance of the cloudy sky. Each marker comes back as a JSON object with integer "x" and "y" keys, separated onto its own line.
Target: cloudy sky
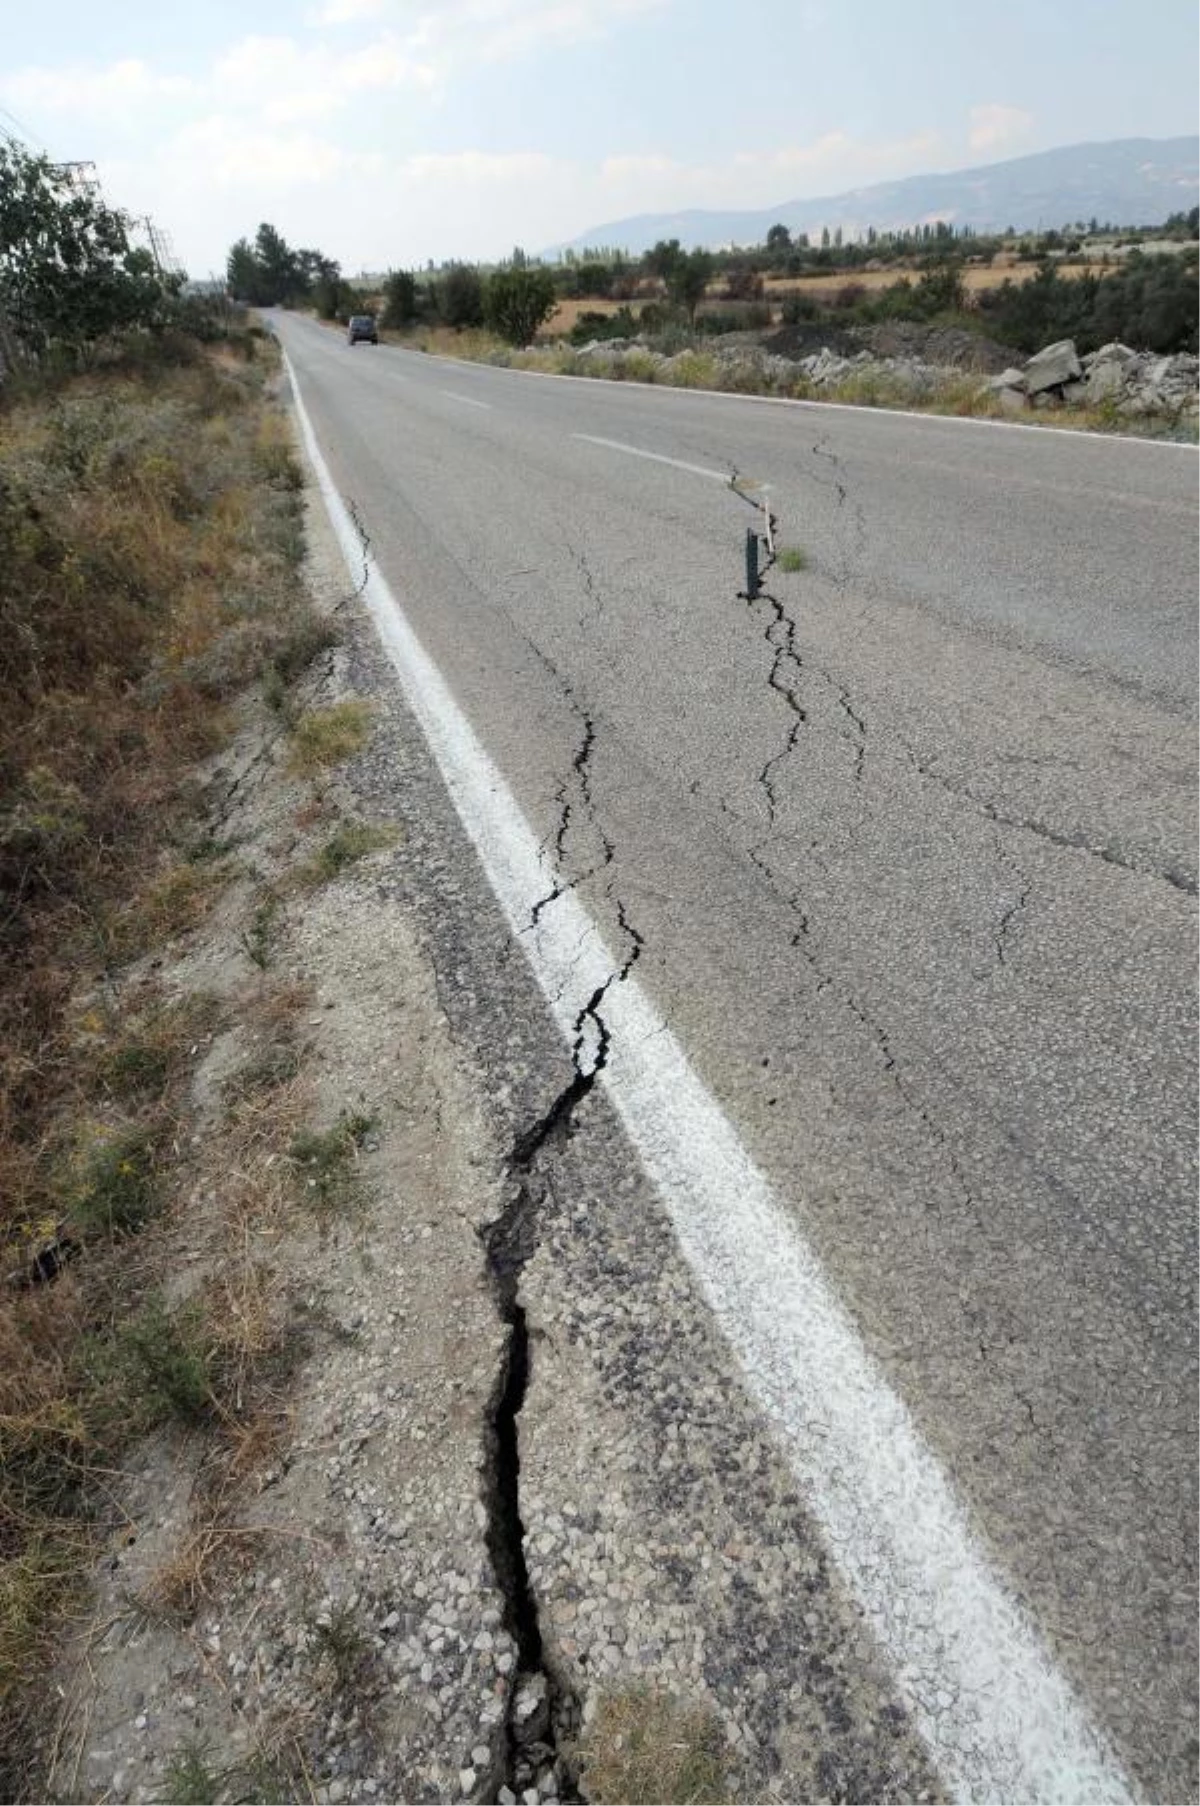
{"x": 386, "y": 132}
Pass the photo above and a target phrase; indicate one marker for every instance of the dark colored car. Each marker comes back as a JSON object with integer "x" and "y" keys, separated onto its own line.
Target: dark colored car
{"x": 362, "y": 326}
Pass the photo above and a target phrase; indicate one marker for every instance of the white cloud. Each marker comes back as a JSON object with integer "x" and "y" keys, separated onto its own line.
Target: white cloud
{"x": 997, "y": 127}
{"x": 466, "y": 168}
{"x": 90, "y": 92}
{"x": 219, "y": 150}
{"x": 349, "y": 12}
{"x": 283, "y": 82}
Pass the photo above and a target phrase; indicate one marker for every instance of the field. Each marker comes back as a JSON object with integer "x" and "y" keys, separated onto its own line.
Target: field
{"x": 975, "y": 279}
{"x": 778, "y": 288}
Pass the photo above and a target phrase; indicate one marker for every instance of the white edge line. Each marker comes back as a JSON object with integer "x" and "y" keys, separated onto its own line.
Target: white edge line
{"x": 839, "y": 407}
{"x": 1000, "y": 1721}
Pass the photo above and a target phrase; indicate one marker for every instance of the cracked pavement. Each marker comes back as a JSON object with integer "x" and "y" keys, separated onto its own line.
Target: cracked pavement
{"x": 944, "y": 991}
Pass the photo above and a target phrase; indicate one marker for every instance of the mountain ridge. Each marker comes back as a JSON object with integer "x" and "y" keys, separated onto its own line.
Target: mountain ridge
{"x": 1128, "y": 181}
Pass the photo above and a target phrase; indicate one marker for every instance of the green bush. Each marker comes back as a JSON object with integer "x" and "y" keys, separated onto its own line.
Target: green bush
{"x": 518, "y": 300}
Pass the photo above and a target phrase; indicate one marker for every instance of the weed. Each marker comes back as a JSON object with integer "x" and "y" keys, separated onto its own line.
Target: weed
{"x": 117, "y": 1192}
{"x": 329, "y": 736}
{"x": 791, "y": 558}
{"x": 277, "y": 1065}
{"x": 275, "y": 692}
{"x": 37, "y": 1583}
{"x": 191, "y": 1779}
{"x": 308, "y": 635}
{"x": 196, "y": 1779}
{"x": 173, "y": 904}
{"x": 150, "y": 1052}
{"x": 693, "y": 370}
{"x": 325, "y": 1161}
{"x": 337, "y": 1638}
{"x": 165, "y": 1360}
{"x": 344, "y": 848}
{"x": 289, "y": 656}
{"x": 258, "y": 938}
{"x": 644, "y": 1745}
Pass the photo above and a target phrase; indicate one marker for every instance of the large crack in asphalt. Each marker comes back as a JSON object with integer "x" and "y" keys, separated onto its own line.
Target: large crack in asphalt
{"x": 509, "y": 1244}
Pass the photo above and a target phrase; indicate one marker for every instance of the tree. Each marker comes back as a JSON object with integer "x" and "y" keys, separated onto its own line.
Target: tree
{"x": 462, "y": 296}
{"x": 399, "y": 299}
{"x": 664, "y": 259}
{"x": 282, "y": 278}
{"x": 688, "y": 281}
{"x": 518, "y": 301}
{"x": 241, "y": 271}
{"x": 68, "y": 272}
{"x": 269, "y": 273}
{"x": 779, "y": 238}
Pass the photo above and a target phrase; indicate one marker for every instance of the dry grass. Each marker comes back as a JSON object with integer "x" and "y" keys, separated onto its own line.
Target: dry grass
{"x": 150, "y": 535}
{"x": 644, "y": 1745}
{"x": 325, "y": 737}
{"x": 567, "y": 313}
{"x": 975, "y": 278}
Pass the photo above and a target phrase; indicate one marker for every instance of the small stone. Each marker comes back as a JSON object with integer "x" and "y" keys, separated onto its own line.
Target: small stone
{"x": 466, "y": 1780}
{"x": 481, "y": 1755}
{"x": 507, "y": 1797}
{"x": 336, "y": 1791}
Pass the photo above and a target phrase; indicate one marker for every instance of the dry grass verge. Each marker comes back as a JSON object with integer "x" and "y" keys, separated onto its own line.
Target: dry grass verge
{"x": 150, "y": 538}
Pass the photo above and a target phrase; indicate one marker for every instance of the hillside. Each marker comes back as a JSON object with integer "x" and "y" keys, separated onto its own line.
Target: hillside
{"x": 1130, "y": 181}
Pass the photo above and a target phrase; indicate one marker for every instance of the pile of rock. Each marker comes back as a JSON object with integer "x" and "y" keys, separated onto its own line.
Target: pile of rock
{"x": 1132, "y": 382}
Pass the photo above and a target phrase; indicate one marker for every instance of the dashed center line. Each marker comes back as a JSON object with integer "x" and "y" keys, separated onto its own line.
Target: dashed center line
{"x": 468, "y": 401}
{"x": 635, "y": 451}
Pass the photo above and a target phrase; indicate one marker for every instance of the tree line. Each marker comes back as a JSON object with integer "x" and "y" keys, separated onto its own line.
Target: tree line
{"x": 514, "y": 299}
{"x": 1149, "y": 301}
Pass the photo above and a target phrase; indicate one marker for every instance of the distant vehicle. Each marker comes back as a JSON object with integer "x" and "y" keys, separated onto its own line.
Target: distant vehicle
{"x": 362, "y": 326}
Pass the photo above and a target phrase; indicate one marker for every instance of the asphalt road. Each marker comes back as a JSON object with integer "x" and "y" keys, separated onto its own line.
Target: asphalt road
{"x": 909, "y": 847}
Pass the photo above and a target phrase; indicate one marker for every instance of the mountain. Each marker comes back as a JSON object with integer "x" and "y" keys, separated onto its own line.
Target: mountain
{"x": 1131, "y": 181}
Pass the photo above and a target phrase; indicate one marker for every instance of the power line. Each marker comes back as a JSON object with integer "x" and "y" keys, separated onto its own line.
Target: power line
{"x": 22, "y": 129}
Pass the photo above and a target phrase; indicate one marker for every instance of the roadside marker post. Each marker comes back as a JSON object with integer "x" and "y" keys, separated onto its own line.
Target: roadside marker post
{"x": 751, "y": 564}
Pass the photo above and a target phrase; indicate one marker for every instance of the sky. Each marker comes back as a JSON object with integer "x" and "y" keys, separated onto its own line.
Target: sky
{"x": 385, "y": 133}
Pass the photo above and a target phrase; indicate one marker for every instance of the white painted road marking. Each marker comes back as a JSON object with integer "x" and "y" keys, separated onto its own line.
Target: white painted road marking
{"x": 1001, "y": 1722}
{"x": 468, "y": 401}
{"x": 635, "y": 451}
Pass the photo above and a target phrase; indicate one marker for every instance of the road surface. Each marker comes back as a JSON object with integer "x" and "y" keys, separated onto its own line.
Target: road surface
{"x": 903, "y": 852}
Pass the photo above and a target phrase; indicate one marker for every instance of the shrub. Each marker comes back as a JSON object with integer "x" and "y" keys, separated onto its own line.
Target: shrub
{"x": 399, "y": 299}
{"x": 589, "y": 326}
{"x": 518, "y": 301}
{"x": 800, "y": 308}
{"x": 461, "y": 296}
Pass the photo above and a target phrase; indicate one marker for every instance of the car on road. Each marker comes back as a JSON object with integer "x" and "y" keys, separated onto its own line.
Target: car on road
{"x": 362, "y": 326}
